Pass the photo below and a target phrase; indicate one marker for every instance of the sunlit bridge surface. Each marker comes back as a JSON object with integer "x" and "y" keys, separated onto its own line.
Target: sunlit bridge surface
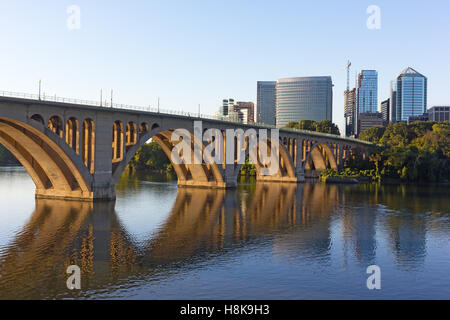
{"x": 261, "y": 241}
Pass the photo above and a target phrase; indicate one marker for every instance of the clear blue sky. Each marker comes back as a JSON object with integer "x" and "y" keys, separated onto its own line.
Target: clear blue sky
{"x": 199, "y": 52}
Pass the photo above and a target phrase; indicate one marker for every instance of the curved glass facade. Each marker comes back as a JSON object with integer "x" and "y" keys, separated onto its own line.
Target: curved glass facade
{"x": 307, "y": 98}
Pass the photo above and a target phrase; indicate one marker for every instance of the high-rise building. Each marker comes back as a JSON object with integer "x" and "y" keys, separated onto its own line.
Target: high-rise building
{"x": 227, "y": 106}
{"x": 246, "y": 111}
{"x": 350, "y": 112}
{"x": 366, "y": 95}
{"x": 266, "y": 102}
{"x": 410, "y": 89}
{"x": 367, "y": 92}
{"x": 423, "y": 117}
{"x": 393, "y": 104}
{"x": 368, "y": 120}
{"x": 236, "y": 111}
{"x": 439, "y": 113}
{"x": 385, "y": 110}
{"x": 307, "y": 98}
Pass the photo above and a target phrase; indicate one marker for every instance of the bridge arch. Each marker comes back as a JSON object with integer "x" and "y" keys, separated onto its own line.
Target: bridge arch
{"x": 320, "y": 157}
{"x": 187, "y": 174}
{"x": 55, "y": 124}
{"x": 117, "y": 142}
{"x": 143, "y": 129}
{"x": 73, "y": 134}
{"x": 285, "y": 170}
{"x": 88, "y": 144}
{"x": 38, "y": 118}
{"x": 131, "y": 134}
{"x": 50, "y": 164}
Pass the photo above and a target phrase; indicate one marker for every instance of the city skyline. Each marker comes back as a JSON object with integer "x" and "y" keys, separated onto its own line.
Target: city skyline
{"x": 149, "y": 49}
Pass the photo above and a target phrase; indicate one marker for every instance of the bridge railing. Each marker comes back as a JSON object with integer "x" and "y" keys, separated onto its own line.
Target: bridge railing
{"x": 106, "y": 104}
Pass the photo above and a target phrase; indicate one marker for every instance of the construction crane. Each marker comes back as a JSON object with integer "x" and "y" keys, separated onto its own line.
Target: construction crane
{"x": 349, "y": 64}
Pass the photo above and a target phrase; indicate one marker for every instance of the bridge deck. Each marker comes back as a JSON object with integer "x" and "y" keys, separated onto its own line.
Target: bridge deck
{"x": 136, "y": 110}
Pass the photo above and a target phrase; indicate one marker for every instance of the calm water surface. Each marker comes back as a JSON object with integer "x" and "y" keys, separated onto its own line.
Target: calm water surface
{"x": 262, "y": 241}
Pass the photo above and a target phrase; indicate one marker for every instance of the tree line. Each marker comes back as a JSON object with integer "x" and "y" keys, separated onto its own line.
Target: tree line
{"x": 325, "y": 126}
{"x": 419, "y": 151}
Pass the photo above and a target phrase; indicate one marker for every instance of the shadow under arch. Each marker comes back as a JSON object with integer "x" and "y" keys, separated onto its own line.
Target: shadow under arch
{"x": 320, "y": 158}
{"x": 285, "y": 171}
{"x": 47, "y": 158}
{"x": 203, "y": 175}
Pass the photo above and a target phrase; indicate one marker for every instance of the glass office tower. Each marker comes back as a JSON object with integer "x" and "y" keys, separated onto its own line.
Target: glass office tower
{"x": 367, "y": 91}
{"x": 410, "y": 90}
{"x": 307, "y": 98}
{"x": 266, "y": 102}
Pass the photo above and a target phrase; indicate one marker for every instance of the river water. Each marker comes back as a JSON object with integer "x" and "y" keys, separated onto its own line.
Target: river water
{"x": 261, "y": 241}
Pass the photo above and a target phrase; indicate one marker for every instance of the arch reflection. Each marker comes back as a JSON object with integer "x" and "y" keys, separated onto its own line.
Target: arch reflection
{"x": 294, "y": 221}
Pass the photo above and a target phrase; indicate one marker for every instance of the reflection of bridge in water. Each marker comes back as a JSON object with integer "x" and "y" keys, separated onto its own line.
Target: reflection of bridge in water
{"x": 202, "y": 224}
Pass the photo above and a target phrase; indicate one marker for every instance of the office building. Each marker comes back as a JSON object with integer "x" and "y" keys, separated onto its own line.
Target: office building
{"x": 423, "y": 117}
{"x": 266, "y": 102}
{"x": 393, "y": 104}
{"x": 369, "y": 120}
{"x": 236, "y": 111}
{"x": 246, "y": 111}
{"x": 386, "y": 111}
{"x": 350, "y": 112}
{"x": 367, "y": 92}
{"x": 227, "y": 106}
{"x": 410, "y": 89}
{"x": 307, "y": 98}
{"x": 439, "y": 113}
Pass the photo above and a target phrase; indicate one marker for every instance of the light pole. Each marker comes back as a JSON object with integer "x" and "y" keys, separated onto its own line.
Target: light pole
{"x": 158, "y": 104}
{"x": 111, "y": 98}
{"x": 40, "y": 84}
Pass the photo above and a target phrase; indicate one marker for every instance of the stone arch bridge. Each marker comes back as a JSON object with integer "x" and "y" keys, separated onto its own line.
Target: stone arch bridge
{"x": 77, "y": 151}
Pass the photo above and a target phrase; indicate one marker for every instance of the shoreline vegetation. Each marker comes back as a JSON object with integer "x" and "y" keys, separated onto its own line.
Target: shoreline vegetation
{"x": 416, "y": 152}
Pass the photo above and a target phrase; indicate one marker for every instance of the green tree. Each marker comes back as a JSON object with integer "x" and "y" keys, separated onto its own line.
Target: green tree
{"x": 326, "y": 126}
{"x": 396, "y": 135}
{"x": 373, "y": 135}
{"x": 309, "y": 125}
{"x": 150, "y": 157}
